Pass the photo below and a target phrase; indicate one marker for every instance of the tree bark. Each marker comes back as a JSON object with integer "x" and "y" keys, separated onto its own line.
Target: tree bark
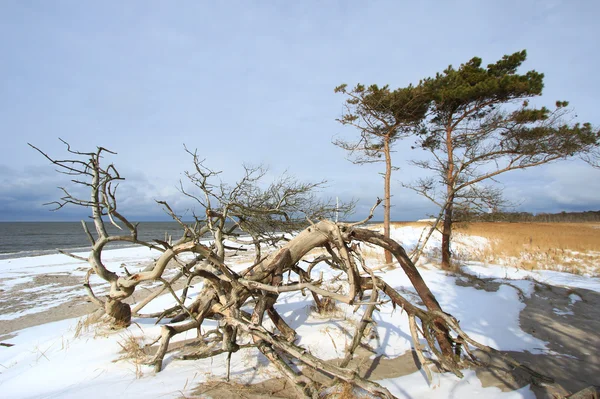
{"x": 225, "y": 293}
{"x": 387, "y": 196}
{"x": 119, "y": 311}
{"x": 447, "y": 231}
{"x": 446, "y": 235}
{"x": 429, "y": 300}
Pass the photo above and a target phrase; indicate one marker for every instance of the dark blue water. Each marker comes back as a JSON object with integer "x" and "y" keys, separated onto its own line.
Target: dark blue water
{"x": 19, "y": 239}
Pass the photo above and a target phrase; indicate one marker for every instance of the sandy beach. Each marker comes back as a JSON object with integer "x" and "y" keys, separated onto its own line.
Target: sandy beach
{"x": 550, "y": 325}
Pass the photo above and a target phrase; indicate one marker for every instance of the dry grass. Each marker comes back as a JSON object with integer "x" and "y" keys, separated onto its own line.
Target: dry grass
{"x": 346, "y": 391}
{"x": 278, "y": 387}
{"x": 133, "y": 351}
{"x": 95, "y": 322}
{"x": 328, "y": 307}
{"x": 570, "y": 247}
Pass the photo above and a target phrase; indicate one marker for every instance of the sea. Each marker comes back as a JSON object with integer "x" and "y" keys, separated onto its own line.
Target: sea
{"x": 23, "y": 239}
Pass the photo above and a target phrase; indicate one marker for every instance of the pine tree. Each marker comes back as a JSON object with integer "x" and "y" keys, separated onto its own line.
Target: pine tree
{"x": 480, "y": 124}
{"x": 382, "y": 116}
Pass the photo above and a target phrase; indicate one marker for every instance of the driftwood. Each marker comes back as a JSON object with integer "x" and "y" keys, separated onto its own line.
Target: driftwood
{"x": 224, "y": 292}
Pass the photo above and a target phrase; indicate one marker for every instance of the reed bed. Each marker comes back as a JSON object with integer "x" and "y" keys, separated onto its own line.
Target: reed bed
{"x": 570, "y": 247}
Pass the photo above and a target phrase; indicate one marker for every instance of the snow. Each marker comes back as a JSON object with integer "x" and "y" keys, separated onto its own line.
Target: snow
{"x": 461, "y": 245}
{"x": 35, "y": 306}
{"x": 562, "y": 312}
{"x": 550, "y": 277}
{"x": 449, "y": 386}
{"x": 8, "y": 282}
{"x": 22, "y": 273}
{"x": 574, "y": 298}
{"x": 61, "y": 264}
{"x": 68, "y": 366}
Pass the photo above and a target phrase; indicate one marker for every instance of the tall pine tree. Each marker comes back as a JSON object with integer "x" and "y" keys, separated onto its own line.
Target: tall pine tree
{"x": 480, "y": 124}
{"x": 381, "y": 116}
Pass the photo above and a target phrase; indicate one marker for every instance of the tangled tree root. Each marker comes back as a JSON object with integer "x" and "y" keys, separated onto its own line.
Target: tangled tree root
{"x": 259, "y": 212}
{"x": 225, "y": 293}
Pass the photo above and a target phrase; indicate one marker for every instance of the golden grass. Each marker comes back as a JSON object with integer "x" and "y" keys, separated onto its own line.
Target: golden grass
{"x": 133, "y": 351}
{"x": 93, "y": 322}
{"x": 571, "y": 247}
{"x": 345, "y": 390}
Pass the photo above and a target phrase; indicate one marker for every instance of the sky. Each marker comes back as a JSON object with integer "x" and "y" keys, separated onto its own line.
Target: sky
{"x": 253, "y": 83}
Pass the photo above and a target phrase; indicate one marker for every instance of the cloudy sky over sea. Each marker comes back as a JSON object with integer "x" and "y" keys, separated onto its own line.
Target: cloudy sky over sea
{"x": 252, "y": 82}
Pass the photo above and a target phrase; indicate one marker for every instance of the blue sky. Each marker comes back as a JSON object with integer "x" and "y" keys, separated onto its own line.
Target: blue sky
{"x": 252, "y": 82}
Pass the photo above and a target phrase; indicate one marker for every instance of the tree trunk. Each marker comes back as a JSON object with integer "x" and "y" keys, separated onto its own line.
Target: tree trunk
{"x": 446, "y": 235}
{"x": 224, "y": 295}
{"x": 119, "y": 311}
{"x": 429, "y": 300}
{"x": 447, "y": 231}
{"x": 387, "y": 197}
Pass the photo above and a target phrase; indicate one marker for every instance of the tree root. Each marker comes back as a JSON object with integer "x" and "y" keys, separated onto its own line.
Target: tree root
{"x": 225, "y": 292}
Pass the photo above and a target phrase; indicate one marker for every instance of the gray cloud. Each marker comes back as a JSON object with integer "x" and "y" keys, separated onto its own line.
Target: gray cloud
{"x": 254, "y": 83}
{"x": 561, "y": 186}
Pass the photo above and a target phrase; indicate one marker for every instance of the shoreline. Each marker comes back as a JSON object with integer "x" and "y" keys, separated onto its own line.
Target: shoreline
{"x": 548, "y": 313}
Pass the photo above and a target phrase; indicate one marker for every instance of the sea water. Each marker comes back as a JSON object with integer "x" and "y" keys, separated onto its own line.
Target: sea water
{"x": 22, "y": 239}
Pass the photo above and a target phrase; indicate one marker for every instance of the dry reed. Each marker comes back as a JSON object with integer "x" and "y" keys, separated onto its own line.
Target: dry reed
{"x": 570, "y": 247}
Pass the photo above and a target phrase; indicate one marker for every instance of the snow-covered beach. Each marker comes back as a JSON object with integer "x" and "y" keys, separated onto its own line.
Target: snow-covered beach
{"x": 65, "y": 359}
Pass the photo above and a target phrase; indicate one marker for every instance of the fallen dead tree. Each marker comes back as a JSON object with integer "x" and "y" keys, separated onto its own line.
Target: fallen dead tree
{"x": 243, "y": 301}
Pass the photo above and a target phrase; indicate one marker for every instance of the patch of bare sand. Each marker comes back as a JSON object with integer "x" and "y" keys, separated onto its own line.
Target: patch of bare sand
{"x": 45, "y": 299}
{"x": 280, "y": 388}
{"x": 569, "y": 321}
{"x": 53, "y": 297}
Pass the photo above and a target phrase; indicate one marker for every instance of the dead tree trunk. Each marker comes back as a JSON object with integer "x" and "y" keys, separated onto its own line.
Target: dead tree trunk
{"x": 239, "y": 300}
{"x": 225, "y": 293}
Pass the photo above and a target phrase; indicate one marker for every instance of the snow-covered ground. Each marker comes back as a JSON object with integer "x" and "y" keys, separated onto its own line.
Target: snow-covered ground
{"x": 61, "y": 360}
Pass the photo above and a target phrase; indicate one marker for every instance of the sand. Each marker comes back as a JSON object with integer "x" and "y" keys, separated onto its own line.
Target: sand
{"x": 569, "y": 319}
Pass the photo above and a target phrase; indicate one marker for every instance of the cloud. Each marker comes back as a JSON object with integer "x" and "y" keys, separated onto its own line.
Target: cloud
{"x": 25, "y": 192}
{"x": 254, "y": 84}
{"x": 563, "y": 186}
